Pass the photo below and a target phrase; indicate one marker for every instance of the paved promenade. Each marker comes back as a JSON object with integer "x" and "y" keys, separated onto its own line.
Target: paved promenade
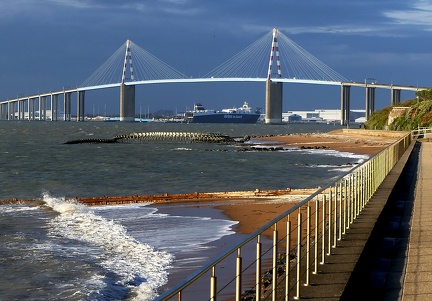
{"x": 418, "y": 277}
{"x": 386, "y": 255}
{"x": 396, "y": 262}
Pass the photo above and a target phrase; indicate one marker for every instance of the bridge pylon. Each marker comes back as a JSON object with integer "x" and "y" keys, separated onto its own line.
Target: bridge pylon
{"x": 127, "y": 102}
{"x": 127, "y": 92}
{"x": 274, "y": 89}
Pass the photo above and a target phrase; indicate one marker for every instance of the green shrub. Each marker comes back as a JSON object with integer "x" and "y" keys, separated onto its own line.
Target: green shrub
{"x": 419, "y": 114}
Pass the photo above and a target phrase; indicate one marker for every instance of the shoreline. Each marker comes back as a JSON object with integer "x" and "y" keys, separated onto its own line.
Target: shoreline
{"x": 365, "y": 142}
{"x": 252, "y": 209}
{"x": 253, "y": 213}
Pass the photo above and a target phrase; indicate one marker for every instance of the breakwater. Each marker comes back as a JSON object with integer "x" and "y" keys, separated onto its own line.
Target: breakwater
{"x": 142, "y": 137}
{"x": 181, "y": 197}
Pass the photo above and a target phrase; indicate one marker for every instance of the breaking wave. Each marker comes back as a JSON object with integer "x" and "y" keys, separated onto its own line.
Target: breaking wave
{"x": 137, "y": 266}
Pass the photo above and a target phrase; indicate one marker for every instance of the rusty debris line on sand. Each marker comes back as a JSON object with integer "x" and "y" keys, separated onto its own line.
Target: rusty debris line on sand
{"x": 182, "y": 197}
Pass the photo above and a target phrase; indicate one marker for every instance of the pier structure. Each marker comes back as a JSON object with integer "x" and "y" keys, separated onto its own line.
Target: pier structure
{"x": 345, "y": 104}
{"x": 127, "y": 103}
{"x": 273, "y": 113}
{"x": 370, "y": 91}
{"x": 127, "y": 93}
{"x": 370, "y": 101}
{"x": 274, "y": 90}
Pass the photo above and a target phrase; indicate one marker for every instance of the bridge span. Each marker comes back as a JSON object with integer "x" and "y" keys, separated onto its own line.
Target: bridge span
{"x": 138, "y": 67}
{"x": 34, "y": 107}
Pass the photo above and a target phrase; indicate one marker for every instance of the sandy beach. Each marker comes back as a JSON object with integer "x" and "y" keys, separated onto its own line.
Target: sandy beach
{"x": 252, "y": 212}
{"x": 252, "y": 215}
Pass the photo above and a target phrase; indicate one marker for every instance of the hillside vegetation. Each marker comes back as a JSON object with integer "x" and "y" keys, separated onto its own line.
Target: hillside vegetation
{"x": 418, "y": 114}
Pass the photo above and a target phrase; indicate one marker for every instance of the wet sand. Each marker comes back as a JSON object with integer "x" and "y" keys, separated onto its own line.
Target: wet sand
{"x": 254, "y": 212}
{"x": 251, "y": 216}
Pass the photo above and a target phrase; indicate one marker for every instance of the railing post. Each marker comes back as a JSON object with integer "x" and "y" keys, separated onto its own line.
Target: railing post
{"x": 323, "y": 230}
{"x": 287, "y": 258}
{"x": 335, "y": 216}
{"x": 258, "y": 278}
{"x": 329, "y": 221}
{"x": 373, "y": 175}
{"x": 340, "y": 210}
{"x": 315, "y": 271}
{"x": 355, "y": 195}
{"x": 308, "y": 241}
{"x": 360, "y": 185}
{"x": 238, "y": 275}
{"x": 358, "y": 198}
{"x": 275, "y": 259}
{"x": 352, "y": 199}
{"x": 368, "y": 182}
{"x": 345, "y": 209}
{"x": 299, "y": 239}
{"x": 213, "y": 284}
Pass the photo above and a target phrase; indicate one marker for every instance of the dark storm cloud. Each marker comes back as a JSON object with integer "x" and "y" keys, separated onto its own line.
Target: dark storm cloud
{"x": 50, "y": 43}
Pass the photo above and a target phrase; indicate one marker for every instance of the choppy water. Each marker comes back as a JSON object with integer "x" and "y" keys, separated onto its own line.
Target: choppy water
{"x": 54, "y": 249}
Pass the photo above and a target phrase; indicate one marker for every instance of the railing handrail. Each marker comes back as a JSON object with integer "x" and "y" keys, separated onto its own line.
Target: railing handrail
{"x": 207, "y": 267}
{"x": 421, "y": 131}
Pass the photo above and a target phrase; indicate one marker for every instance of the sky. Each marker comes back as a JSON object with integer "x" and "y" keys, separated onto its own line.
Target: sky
{"x": 49, "y": 44}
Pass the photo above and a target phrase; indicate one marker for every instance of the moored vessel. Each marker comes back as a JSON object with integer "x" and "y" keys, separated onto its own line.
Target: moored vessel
{"x": 243, "y": 114}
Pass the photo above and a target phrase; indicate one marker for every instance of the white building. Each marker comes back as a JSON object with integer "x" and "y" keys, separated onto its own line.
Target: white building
{"x": 319, "y": 115}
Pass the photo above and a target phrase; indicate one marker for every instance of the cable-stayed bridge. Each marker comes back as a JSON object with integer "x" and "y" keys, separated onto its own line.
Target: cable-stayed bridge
{"x": 274, "y": 59}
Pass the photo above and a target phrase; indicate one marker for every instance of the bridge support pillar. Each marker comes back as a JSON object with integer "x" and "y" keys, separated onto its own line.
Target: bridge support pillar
{"x": 32, "y": 108}
{"x": 21, "y": 109}
{"x": 127, "y": 103}
{"x": 2, "y": 111}
{"x": 345, "y": 104}
{"x": 42, "y": 107}
{"x": 395, "y": 96}
{"x": 67, "y": 105}
{"x": 54, "y": 107}
{"x": 81, "y": 105}
{"x": 370, "y": 102}
{"x": 273, "y": 102}
{"x": 11, "y": 110}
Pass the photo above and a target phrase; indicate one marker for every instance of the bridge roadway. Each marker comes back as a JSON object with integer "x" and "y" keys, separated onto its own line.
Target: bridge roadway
{"x": 386, "y": 254}
{"x": 10, "y": 107}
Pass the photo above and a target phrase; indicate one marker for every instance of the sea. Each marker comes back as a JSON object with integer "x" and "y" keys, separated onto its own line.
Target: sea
{"x": 52, "y": 248}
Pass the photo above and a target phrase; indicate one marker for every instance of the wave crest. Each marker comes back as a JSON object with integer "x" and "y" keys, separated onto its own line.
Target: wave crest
{"x": 137, "y": 264}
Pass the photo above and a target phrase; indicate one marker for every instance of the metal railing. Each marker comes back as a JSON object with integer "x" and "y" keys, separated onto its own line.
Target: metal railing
{"x": 420, "y": 132}
{"x": 289, "y": 248}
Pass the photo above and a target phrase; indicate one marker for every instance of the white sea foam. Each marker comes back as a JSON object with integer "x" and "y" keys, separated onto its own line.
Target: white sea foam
{"x": 334, "y": 153}
{"x": 138, "y": 265}
{"x": 7, "y": 208}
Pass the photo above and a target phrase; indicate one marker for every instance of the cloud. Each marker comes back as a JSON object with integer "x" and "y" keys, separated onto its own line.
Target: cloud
{"x": 419, "y": 15}
{"x": 82, "y": 4}
{"x": 19, "y": 8}
{"x": 346, "y": 29}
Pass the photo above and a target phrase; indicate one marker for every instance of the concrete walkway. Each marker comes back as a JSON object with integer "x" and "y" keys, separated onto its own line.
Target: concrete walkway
{"x": 387, "y": 253}
{"x": 369, "y": 262}
{"x": 418, "y": 278}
